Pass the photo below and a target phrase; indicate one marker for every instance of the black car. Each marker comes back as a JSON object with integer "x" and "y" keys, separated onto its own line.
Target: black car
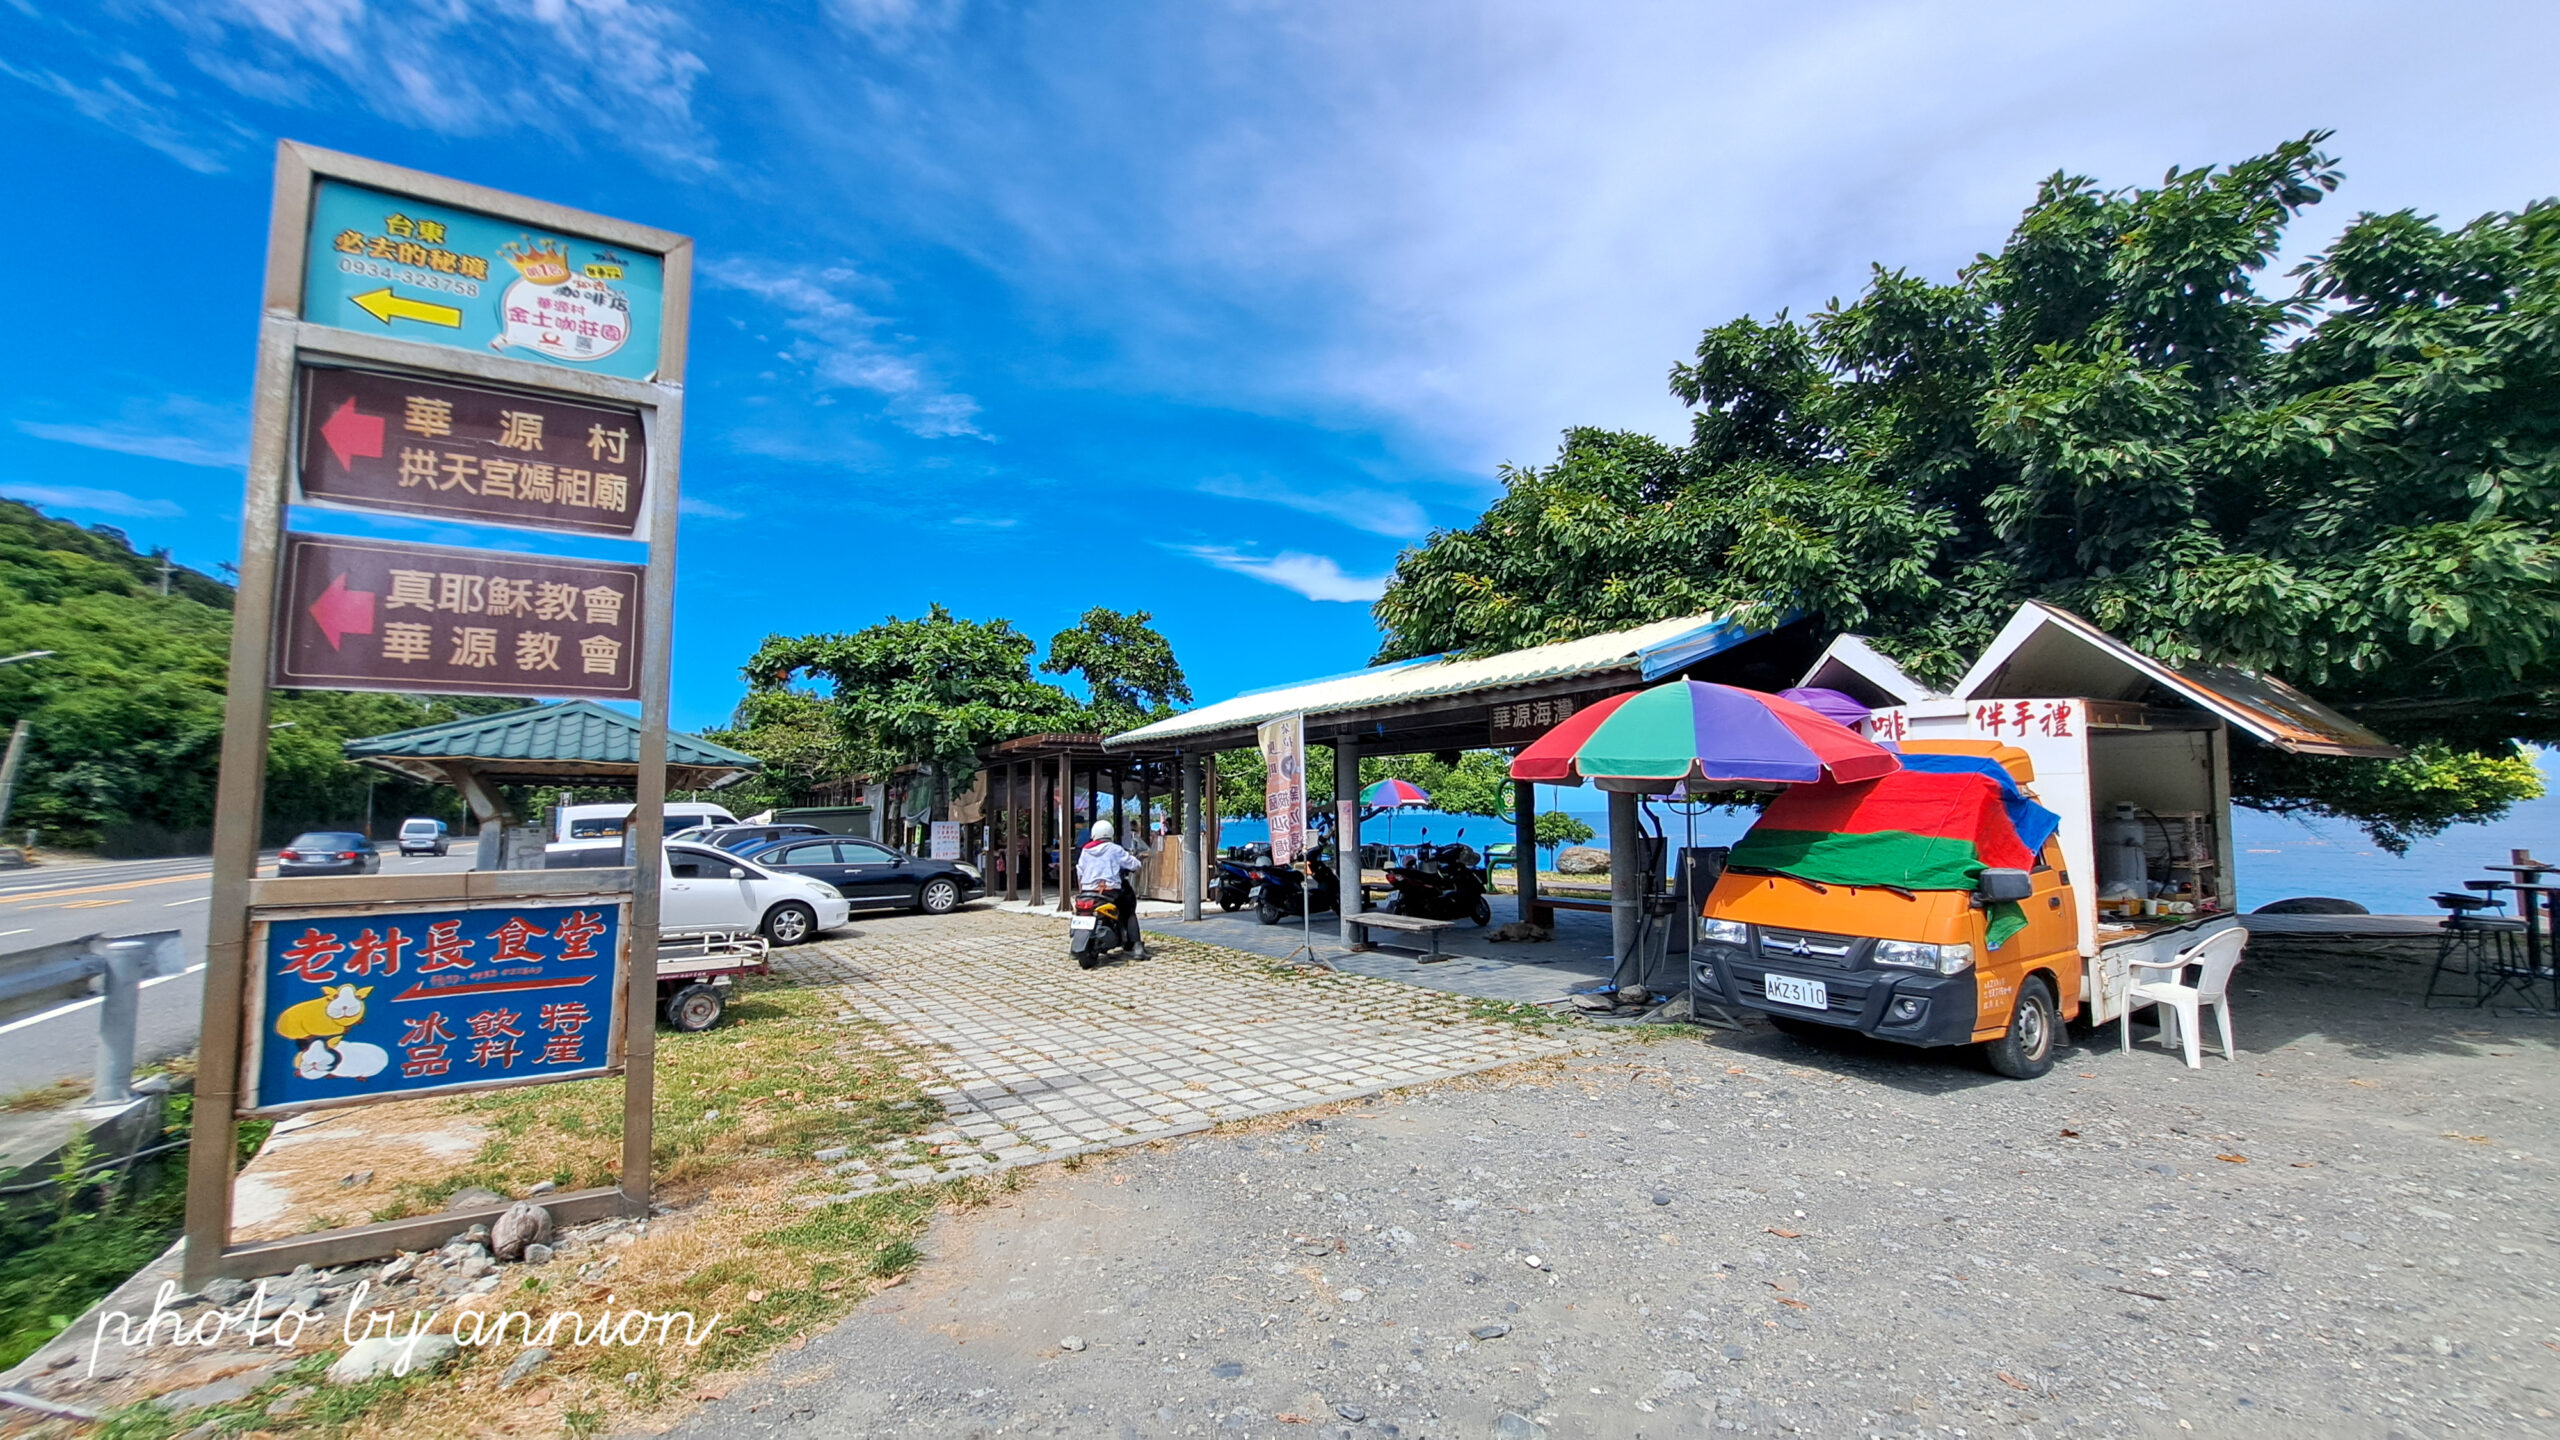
{"x": 329, "y": 852}
{"x": 873, "y": 876}
{"x": 747, "y": 839}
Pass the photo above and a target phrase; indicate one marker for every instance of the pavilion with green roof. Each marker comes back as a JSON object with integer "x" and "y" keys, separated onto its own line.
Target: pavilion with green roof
{"x": 574, "y": 742}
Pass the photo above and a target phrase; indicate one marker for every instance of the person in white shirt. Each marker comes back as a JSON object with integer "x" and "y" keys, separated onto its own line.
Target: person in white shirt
{"x": 1103, "y": 862}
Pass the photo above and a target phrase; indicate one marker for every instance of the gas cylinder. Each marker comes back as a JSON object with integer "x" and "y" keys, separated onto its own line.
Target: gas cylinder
{"x": 2120, "y": 857}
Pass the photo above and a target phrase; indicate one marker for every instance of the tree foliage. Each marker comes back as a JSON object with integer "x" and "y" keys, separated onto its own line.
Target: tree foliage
{"x": 125, "y": 716}
{"x": 1128, "y": 668}
{"x": 936, "y": 690}
{"x": 2348, "y": 480}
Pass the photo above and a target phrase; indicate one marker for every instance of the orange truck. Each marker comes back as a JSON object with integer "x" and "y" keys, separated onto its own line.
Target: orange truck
{"x": 2129, "y": 769}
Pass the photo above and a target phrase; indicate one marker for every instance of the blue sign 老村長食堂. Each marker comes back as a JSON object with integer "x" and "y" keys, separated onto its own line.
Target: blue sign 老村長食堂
{"x": 391, "y": 265}
{"x": 386, "y": 1004}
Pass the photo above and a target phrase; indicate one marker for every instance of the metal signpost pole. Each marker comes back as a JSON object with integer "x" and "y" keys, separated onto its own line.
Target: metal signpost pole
{"x": 500, "y": 361}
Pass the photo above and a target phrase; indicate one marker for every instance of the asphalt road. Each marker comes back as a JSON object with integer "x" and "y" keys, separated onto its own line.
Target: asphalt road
{"x": 126, "y": 897}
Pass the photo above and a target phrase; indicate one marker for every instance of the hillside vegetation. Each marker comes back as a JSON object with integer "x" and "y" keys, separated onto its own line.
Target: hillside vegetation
{"x": 125, "y": 742}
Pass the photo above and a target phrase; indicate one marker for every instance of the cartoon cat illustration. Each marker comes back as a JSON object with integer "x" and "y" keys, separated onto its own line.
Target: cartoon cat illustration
{"x": 339, "y": 1059}
{"x": 332, "y": 1015}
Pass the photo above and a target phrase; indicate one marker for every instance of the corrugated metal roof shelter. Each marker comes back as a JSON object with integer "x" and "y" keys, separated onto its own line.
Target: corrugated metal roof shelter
{"x": 1447, "y": 702}
{"x": 543, "y": 745}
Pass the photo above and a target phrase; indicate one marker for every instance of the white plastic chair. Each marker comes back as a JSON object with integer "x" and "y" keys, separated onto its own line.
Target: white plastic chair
{"x": 2179, "y": 1004}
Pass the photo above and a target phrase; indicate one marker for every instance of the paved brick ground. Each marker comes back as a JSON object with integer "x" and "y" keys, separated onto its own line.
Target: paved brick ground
{"x": 1032, "y": 1059}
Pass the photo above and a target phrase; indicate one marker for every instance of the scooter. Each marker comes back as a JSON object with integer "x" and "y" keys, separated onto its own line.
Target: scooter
{"x": 1100, "y": 926}
{"x": 1440, "y": 882}
{"x": 1233, "y": 886}
{"x": 1281, "y": 890}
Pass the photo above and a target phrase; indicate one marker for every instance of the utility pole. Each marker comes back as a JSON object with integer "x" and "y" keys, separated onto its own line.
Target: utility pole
{"x": 9, "y": 767}
{"x": 165, "y": 567}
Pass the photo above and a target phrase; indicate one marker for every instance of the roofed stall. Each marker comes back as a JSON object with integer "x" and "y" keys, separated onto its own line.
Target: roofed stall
{"x": 1447, "y": 703}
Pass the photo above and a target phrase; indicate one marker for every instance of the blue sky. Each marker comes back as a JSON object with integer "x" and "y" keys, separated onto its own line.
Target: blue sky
{"x": 1201, "y": 308}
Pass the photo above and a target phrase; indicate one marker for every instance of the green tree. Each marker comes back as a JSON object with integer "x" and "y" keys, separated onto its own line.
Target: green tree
{"x": 797, "y": 737}
{"x": 125, "y": 716}
{"x": 1128, "y": 668}
{"x": 2348, "y": 481}
{"x": 931, "y": 691}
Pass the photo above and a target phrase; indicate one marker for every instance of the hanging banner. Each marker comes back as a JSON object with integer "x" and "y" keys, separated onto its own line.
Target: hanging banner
{"x": 380, "y": 615}
{"x": 1284, "y": 785}
{"x": 946, "y": 839}
{"x": 414, "y": 270}
{"x": 392, "y": 1004}
{"x": 466, "y": 452}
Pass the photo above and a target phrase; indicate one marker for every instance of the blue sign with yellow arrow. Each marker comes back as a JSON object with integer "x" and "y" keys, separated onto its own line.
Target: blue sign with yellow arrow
{"x": 393, "y": 265}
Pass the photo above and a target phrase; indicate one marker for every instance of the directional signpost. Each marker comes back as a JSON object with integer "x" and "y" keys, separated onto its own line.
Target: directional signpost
{"x": 435, "y": 349}
{"x": 371, "y": 441}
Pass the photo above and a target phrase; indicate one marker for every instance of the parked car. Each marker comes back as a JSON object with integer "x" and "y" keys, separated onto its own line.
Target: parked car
{"x": 329, "y": 852}
{"x": 873, "y": 876}
{"x": 711, "y": 892}
{"x": 748, "y": 839}
{"x": 422, "y": 836}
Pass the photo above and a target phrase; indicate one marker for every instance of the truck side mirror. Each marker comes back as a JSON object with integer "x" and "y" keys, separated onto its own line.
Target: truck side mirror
{"x": 1995, "y": 885}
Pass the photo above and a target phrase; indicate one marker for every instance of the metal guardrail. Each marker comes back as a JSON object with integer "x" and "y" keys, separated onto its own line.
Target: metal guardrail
{"x": 112, "y": 967}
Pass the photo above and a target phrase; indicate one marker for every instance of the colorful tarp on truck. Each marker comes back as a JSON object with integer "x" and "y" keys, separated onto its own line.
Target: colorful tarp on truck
{"x": 1913, "y": 829}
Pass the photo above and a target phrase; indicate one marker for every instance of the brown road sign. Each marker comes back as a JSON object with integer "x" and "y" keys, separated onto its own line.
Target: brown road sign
{"x": 376, "y": 615}
{"x": 464, "y": 452}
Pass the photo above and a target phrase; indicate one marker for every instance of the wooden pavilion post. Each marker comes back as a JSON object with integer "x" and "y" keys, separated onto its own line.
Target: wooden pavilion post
{"x": 1008, "y": 835}
{"x": 1032, "y": 866}
{"x": 1066, "y": 829}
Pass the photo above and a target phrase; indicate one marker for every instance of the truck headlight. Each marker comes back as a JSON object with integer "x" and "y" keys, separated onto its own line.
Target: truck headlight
{"x": 1912, "y": 955}
{"x": 1724, "y": 932}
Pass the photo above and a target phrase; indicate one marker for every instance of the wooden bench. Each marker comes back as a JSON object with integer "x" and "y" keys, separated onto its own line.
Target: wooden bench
{"x": 1429, "y": 930}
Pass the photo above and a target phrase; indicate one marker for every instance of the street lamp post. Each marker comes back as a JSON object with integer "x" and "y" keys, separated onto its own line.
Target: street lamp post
{"x": 17, "y": 745}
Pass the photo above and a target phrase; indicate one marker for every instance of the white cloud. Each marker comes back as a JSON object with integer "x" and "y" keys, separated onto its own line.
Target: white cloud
{"x": 1472, "y": 226}
{"x": 1318, "y": 577}
{"x": 707, "y": 509}
{"x": 141, "y": 106}
{"x": 178, "y": 428}
{"x": 103, "y": 502}
{"x": 839, "y": 346}
{"x": 1379, "y": 511}
{"x": 465, "y": 67}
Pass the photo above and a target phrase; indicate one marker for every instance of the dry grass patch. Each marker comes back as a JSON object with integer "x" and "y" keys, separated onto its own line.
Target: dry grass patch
{"x": 739, "y": 1110}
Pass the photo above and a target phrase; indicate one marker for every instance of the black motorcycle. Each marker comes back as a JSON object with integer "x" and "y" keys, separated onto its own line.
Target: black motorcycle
{"x": 1440, "y": 882}
{"x": 1101, "y": 925}
{"x": 1281, "y": 890}
{"x": 1232, "y": 887}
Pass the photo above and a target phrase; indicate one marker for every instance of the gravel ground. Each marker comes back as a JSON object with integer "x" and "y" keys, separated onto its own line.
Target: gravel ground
{"x": 2348, "y": 1232}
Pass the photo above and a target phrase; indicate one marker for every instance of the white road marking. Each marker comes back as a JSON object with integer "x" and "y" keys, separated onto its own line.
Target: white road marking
{"x": 77, "y": 1005}
{"x": 198, "y": 900}
{"x": 5, "y": 934}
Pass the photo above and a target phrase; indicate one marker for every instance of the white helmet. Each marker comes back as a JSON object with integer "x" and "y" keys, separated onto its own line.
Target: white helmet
{"x": 1102, "y": 830}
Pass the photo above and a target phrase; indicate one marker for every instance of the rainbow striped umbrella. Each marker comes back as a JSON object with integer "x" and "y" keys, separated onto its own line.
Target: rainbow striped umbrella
{"x": 1656, "y": 740}
{"x": 1393, "y": 794}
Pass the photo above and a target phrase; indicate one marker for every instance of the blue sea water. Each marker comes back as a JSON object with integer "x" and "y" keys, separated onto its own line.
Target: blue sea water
{"x": 2278, "y": 857}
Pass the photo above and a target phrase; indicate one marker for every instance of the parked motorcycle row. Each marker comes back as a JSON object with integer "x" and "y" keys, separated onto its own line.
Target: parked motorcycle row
{"x": 1438, "y": 882}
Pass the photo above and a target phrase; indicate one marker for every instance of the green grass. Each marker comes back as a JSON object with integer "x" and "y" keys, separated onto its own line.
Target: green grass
{"x": 769, "y": 1080}
{"x": 1521, "y": 1014}
{"x": 58, "y": 1261}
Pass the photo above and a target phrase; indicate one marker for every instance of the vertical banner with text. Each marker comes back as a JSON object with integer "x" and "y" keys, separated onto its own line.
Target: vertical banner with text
{"x": 1284, "y": 785}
